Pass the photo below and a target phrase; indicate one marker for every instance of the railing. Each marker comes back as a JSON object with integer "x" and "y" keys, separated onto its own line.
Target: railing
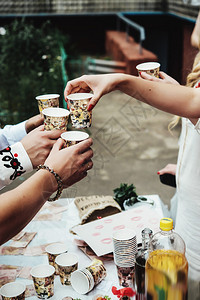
{"x": 134, "y": 25}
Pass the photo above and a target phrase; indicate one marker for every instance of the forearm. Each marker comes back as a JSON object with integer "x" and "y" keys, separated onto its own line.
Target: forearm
{"x": 19, "y": 206}
{"x": 196, "y": 33}
{"x": 174, "y": 99}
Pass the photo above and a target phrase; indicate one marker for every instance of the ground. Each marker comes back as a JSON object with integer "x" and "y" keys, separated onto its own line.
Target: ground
{"x": 131, "y": 143}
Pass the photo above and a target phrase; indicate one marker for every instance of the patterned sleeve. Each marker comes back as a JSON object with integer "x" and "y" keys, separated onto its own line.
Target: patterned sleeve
{"x": 14, "y": 162}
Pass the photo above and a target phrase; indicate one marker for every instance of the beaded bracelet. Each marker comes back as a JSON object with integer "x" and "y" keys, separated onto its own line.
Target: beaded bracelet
{"x": 58, "y": 179}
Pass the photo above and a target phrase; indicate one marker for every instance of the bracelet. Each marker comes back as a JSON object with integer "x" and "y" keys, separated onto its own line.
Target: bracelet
{"x": 58, "y": 179}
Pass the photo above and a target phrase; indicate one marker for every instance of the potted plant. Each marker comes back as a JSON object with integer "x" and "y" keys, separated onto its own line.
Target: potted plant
{"x": 126, "y": 196}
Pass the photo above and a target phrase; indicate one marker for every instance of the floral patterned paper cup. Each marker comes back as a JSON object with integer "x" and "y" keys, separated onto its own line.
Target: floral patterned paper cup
{"x": 80, "y": 116}
{"x": 48, "y": 100}
{"x": 13, "y": 291}
{"x": 151, "y": 68}
{"x": 43, "y": 278}
{"x": 73, "y": 137}
{"x": 53, "y": 250}
{"x": 55, "y": 118}
{"x": 67, "y": 264}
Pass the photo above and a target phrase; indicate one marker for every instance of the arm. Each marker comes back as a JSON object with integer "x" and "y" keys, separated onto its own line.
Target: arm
{"x": 195, "y": 37}
{"x": 19, "y": 206}
{"x": 12, "y": 134}
{"x": 174, "y": 99}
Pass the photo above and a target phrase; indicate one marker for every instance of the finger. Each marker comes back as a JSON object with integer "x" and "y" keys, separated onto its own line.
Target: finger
{"x": 39, "y": 120}
{"x": 53, "y": 134}
{"x": 71, "y": 86}
{"x": 86, "y": 157}
{"x": 94, "y": 100}
{"x": 161, "y": 172}
{"x": 57, "y": 145}
{"x": 144, "y": 75}
{"x": 83, "y": 146}
{"x": 162, "y": 75}
{"x": 88, "y": 165}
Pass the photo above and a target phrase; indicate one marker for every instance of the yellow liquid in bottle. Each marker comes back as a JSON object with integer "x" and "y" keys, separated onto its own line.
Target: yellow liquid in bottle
{"x": 166, "y": 273}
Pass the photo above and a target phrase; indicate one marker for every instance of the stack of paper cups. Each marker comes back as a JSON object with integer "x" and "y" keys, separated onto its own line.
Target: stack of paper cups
{"x": 84, "y": 280}
{"x": 125, "y": 247}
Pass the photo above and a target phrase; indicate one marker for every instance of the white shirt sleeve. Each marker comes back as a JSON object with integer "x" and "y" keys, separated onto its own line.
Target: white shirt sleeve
{"x": 14, "y": 161}
{"x": 11, "y": 134}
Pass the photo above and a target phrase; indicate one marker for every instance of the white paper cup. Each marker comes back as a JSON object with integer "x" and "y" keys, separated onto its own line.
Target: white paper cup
{"x": 151, "y": 68}
{"x": 81, "y": 282}
{"x": 48, "y": 100}
{"x": 73, "y": 137}
{"x": 43, "y": 278}
{"x": 53, "y": 250}
{"x": 13, "y": 291}
{"x": 67, "y": 263}
{"x": 55, "y": 118}
{"x": 124, "y": 235}
{"x": 80, "y": 116}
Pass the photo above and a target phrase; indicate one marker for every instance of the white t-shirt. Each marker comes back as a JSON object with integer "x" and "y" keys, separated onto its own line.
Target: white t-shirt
{"x": 188, "y": 194}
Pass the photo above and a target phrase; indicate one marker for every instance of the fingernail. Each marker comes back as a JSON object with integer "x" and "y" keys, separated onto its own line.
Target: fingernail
{"x": 90, "y": 107}
{"x": 158, "y": 173}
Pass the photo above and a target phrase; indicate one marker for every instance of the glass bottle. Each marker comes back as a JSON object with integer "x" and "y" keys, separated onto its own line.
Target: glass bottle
{"x": 166, "y": 269}
{"x": 140, "y": 260}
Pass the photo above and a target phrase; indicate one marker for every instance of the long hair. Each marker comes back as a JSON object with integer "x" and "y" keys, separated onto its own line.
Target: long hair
{"x": 192, "y": 79}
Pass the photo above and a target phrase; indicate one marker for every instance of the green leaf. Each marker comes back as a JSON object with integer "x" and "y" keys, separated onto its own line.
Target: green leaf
{"x": 124, "y": 192}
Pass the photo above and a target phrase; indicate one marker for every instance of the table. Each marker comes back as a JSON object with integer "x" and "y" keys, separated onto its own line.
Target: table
{"x": 58, "y": 231}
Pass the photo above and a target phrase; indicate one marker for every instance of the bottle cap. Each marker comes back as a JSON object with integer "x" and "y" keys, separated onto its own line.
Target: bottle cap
{"x": 166, "y": 224}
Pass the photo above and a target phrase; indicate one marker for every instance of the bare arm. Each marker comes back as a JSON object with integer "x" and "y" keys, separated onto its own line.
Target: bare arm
{"x": 19, "y": 206}
{"x": 171, "y": 98}
{"x": 195, "y": 37}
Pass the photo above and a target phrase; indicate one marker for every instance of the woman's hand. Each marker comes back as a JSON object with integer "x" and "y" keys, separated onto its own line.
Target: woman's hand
{"x": 98, "y": 84}
{"x": 163, "y": 78}
{"x": 170, "y": 169}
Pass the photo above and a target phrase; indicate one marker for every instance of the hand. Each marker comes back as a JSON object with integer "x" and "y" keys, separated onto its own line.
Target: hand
{"x": 33, "y": 123}
{"x": 98, "y": 84}
{"x": 170, "y": 169}
{"x": 71, "y": 163}
{"x": 38, "y": 143}
{"x": 163, "y": 78}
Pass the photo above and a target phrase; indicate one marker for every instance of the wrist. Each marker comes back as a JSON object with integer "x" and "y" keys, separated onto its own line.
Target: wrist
{"x": 55, "y": 184}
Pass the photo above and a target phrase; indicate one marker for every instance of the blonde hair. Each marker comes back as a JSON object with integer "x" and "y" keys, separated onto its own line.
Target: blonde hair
{"x": 192, "y": 79}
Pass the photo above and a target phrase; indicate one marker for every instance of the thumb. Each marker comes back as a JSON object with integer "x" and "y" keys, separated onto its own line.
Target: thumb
{"x": 57, "y": 146}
